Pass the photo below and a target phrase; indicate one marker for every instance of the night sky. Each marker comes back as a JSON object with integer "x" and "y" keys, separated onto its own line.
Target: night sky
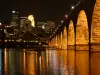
{"x": 42, "y": 9}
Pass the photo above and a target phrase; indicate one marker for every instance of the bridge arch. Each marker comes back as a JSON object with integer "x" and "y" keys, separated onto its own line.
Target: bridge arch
{"x": 95, "y": 27}
{"x": 71, "y": 34}
{"x": 64, "y": 38}
{"x": 95, "y": 39}
{"x": 82, "y": 32}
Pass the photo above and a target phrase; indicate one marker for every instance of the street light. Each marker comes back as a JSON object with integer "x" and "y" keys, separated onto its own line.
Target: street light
{"x": 39, "y": 43}
{"x": 66, "y": 16}
{"x": 13, "y": 12}
{"x": 62, "y": 21}
{"x": 72, "y": 7}
{"x": 0, "y": 23}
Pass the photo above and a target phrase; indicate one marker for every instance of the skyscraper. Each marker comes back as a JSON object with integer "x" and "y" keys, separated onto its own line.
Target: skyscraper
{"x": 22, "y": 21}
{"x": 31, "y": 18}
{"x": 15, "y": 19}
{"x": 15, "y": 23}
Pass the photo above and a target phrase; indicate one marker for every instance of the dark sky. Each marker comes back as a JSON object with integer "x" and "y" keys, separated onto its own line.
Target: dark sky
{"x": 42, "y": 9}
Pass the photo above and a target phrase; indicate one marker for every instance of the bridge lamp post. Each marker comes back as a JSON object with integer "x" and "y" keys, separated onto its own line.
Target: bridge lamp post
{"x": 0, "y": 23}
{"x": 62, "y": 21}
{"x": 72, "y": 7}
{"x": 66, "y": 16}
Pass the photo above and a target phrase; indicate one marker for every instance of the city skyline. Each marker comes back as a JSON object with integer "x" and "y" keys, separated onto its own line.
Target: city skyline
{"x": 42, "y": 10}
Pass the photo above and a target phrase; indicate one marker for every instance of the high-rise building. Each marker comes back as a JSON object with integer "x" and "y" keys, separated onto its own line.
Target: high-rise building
{"x": 32, "y": 20}
{"x": 41, "y": 25}
{"x": 22, "y": 21}
{"x": 15, "y": 23}
{"x": 46, "y": 26}
{"x": 51, "y": 24}
{"x": 15, "y": 19}
{"x": 1, "y": 31}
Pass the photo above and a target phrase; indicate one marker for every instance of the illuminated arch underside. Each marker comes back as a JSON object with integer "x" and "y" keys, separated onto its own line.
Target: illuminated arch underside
{"x": 58, "y": 40}
{"x": 64, "y": 38}
{"x": 49, "y": 43}
{"x": 53, "y": 42}
{"x": 82, "y": 35}
{"x": 61, "y": 39}
{"x": 95, "y": 28}
{"x": 71, "y": 39}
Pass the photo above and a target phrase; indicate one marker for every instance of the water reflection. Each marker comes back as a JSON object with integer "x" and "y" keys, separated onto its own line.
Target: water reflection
{"x": 14, "y": 62}
{"x": 5, "y": 62}
{"x": 95, "y": 59}
{"x": 0, "y": 61}
{"x": 24, "y": 62}
{"x": 50, "y": 62}
{"x": 82, "y": 60}
{"x": 31, "y": 62}
{"x": 71, "y": 59}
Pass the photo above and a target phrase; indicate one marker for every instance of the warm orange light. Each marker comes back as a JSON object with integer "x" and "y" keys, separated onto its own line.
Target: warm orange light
{"x": 95, "y": 28}
{"x": 61, "y": 39}
{"x": 71, "y": 33}
{"x": 64, "y": 38}
{"x": 47, "y": 58}
{"x": 56, "y": 41}
{"x": 24, "y": 62}
{"x": 82, "y": 34}
{"x": 5, "y": 61}
{"x": 30, "y": 62}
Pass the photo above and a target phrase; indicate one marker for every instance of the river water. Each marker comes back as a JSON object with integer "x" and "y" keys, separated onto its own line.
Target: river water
{"x": 50, "y": 61}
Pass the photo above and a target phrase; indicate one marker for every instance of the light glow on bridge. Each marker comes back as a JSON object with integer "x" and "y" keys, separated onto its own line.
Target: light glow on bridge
{"x": 82, "y": 33}
{"x": 64, "y": 38}
{"x": 95, "y": 28}
{"x": 71, "y": 33}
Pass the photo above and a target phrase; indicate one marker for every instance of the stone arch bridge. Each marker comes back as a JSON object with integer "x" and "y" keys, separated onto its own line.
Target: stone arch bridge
{"x": 79, "y": 35}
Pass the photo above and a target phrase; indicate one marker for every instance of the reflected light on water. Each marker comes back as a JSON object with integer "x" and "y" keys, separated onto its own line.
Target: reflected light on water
{"x": 51, "y": 62}
{"x": 30, "y": 61}
{"x": 82, "y": 62}
{"x": 47, "y": 60}
{"x": 5, "y": 62}
{"x": 24, "y": 62}
{"x": 95, "y": 63}
{"x": 40, "y": 62}
{"x": 63, "y": 64}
